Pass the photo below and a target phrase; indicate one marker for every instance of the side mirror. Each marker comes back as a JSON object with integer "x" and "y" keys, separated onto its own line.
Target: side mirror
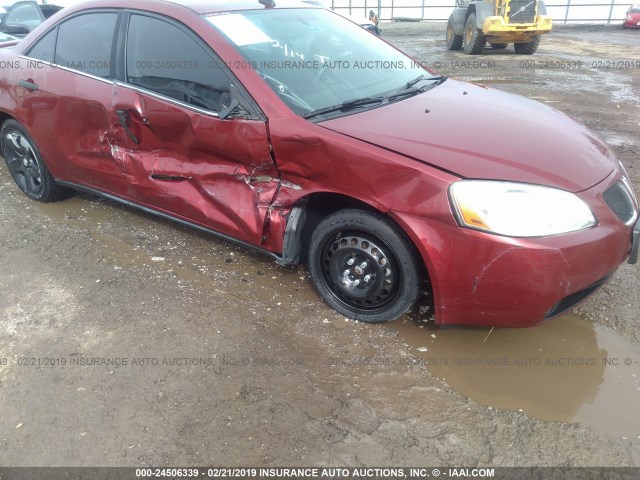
{"x": 16, "y": 29}
{"x": 235, "y": 108}
{"x": 233, "y": 105}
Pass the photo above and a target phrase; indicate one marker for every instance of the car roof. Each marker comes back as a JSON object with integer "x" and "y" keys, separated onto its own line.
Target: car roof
{"x": 197, "y": 6}
{"x": 210, "y": 6}
{"x": 213, "y": 6}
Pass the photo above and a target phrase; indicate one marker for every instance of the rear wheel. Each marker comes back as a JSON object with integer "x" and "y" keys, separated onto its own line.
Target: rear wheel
{"x": 527, "y": 48}
{"x": 474, "y": 40}
{"x": 363, "y": 266}
{"x": 454, "y": 42}
{"x": 26, "y": 166}
{"x": 498, "y": 46}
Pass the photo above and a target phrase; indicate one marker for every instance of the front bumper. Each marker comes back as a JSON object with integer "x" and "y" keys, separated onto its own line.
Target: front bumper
{"x": 490, "y": 280}
{"x": 497, "y": 27}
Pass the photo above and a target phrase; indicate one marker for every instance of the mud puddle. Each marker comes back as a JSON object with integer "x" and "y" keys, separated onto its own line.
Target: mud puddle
{"x": 567, "y": 370}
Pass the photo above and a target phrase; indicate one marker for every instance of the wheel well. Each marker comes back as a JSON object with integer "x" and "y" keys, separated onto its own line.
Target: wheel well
{"x": 470, "y": 10}
{"x": 313, "y": 209}
{"x": 3, "y": 118}
{"x": 319, "y": 206}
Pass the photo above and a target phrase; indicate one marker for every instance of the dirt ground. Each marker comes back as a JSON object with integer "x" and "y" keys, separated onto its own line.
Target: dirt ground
{"x": 132, "y": 341}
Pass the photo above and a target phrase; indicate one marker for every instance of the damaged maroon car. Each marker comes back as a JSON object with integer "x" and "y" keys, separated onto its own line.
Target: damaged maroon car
{"x": 290, "y": 130}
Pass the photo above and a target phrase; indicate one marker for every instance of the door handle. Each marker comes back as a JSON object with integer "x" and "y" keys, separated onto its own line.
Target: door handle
{"x": 32, "y": 87}
{"x": 123, "y": 116}
{"x": 169, "y": 178}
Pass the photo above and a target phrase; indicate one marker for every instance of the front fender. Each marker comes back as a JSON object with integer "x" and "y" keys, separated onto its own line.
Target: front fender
{"x": 459, "y": 17}
{"x": 483, "y": 10}
{"x": 542, "y": 8}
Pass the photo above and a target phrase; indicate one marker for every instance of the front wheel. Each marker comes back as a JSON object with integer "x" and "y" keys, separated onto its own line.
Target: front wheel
{"x": 363, "y": 266}
{"x": 474, "y": 40}
{"x": 527, "y": 48}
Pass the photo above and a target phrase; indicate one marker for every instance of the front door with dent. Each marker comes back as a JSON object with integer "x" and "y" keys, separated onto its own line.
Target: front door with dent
{"x": 180, "y": 156}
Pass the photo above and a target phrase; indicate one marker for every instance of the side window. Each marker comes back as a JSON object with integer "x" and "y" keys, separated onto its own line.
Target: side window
{"x": 165, "y": 59}
{"x": 84, "y": 43}
{"x": 45, "y": 48}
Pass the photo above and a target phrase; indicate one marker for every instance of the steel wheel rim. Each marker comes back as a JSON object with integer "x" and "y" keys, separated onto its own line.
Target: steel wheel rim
{"x": 360, "y": 271}
{"x": 23, "y": 163}
{"x": 469, "y": 35}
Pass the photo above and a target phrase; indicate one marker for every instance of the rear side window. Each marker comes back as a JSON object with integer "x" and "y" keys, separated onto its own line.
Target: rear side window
{"x": 84, "y": 43}
{"x": 45, "y": 48}
{"x": 169, "y": 61}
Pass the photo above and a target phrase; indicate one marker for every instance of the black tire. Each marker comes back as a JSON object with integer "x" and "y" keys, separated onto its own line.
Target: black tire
{"x": 474, "y": 40}
{"x": 527, "y": 48}
{"x": 364, "y": 266}
{"x": 454, "y": 42}
{"x": 499, "y": 46}
{"x": 26, "y": 165}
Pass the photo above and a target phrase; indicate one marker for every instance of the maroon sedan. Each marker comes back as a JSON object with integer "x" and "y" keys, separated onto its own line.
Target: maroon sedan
{"x": 632, "y": 18}
{"x": 291, "y": 130}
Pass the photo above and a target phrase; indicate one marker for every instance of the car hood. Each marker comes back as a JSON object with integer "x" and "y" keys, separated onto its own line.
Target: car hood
{"x": 476, "y": 132}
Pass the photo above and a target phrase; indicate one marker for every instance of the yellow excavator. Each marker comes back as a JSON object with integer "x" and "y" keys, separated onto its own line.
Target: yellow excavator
{"x": 474, "y": 23}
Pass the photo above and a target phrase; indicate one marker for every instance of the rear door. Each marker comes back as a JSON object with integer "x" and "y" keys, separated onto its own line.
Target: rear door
{"x": 68, "y": 93}
{"x": 168, "y": 132}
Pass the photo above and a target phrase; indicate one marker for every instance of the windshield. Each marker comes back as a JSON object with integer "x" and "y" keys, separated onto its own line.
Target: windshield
{"x": 315, "y": 59}
{"x": 634, "y": 10}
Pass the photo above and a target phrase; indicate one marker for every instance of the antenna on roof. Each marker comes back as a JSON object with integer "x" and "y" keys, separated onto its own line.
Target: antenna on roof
{"x": 268, "y": 3}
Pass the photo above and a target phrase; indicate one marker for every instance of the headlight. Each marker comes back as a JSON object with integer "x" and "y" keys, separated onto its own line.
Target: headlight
{"x": 518, "y": 209}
